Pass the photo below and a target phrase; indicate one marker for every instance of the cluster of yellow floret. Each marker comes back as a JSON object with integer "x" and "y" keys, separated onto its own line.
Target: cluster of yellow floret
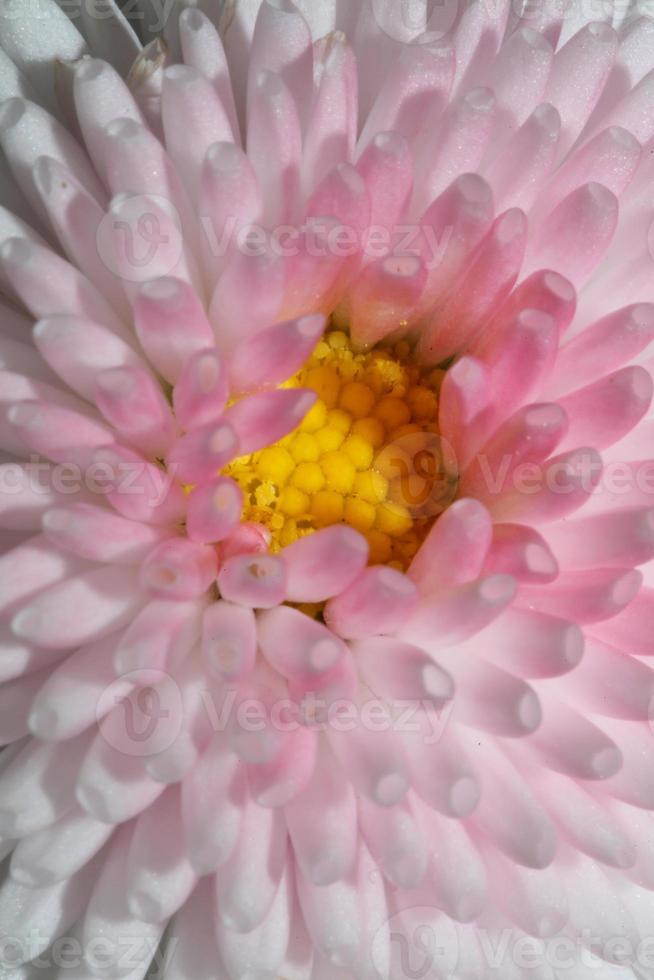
{"x": 330, "y": 469}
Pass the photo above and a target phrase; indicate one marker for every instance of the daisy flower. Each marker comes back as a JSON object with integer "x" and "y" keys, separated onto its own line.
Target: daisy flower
{"x": 326, "y": 492}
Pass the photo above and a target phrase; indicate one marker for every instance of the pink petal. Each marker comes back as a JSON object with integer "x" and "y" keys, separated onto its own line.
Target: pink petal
{"x": 214, "y": 510}
{"x": 49, "y": 286}
{"x": 461, "y": 540}
{"x": 69, "y": 702}
{"x": 187, "y": 94}
{"x": 134, "y": 405}
{"x": 80, "y": 609}
{"x": 248, "y": 881}
{"x": 415, "y": 88}
{"x": 160, "y": 878}
{"x": 76, "y": 216}
{"x": 399, "y": 671}
{"x": 249, "y": 294}
{"x": 159, "y": 638}
{"x": 323, "y": 564}
{"x": 607, "y": 410}
{"x": 171, "y": 325}
{"x": 135, "y": 488}
{"x": 386, "y": 166}
{"x": 261, "y": 419}
{"x": 78, "y": 349}
{"x": 460, "y": 613}
{"x": 201, "y": 391}
{"x": 179, "y": 569}
{"x": 576, "y": 235}
{"x": 297, "y": 646}
{"x": 384, "y": 295}
{"x": 200, "y": 455}
{"x": 274, "y": 143}
{"x": 275, "y": 783}
{"x": 229, "y": 640}
{"x": 203, "y": 49}
{"x": 533, "y": 644}
{"x": 322, "y": 824}
{"x": 213, "y": 799}
{"x": 603, "y": 346}
{"x": 275, "y": 354}
{"x": 520, "y": 551}
{"x": 96, "y": 534}
{"x": 587, "y": 596}
{"x": 257, "y": 580}
{"x": 487, "y": 283}
{"x": 229, "y": 201}
{"x": 332, "y": 125}
{"x": 376, "y": 602}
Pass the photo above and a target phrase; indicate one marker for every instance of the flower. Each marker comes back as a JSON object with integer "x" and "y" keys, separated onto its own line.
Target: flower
{"x": 326, "y": 496}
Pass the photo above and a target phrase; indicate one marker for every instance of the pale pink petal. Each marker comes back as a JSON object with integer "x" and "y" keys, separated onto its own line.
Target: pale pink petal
{"x": 188, "y": 94}
{"x": 79, "y": 610}
{"x": 275, "y": 146}
{"x": 160, "y": 878}
{"x": 179, "y": 569}
{"x": 201, "y": 391}
{"x": 324, "y": 564}
{"x": 134, "y": 405}
{"x": 297, "y": 646}
{"x": 160, "y": 637}
{"x": 254, "y": 580}
{"x": 378, "y": 601}
{"x": 198, "y": 456}
{"x": 261, "y": 419}
{"x": 57, "y": 852}
{"x": 229, "y": 640}
{"x": 107, "y": 909}
{"x": 247, "y": 883}
{"x": 274, "y": 355}
{"x": 213, "y": 798}
{"x": 322, "y": 824}
{"x": 70, "y": 700}
{"x": 171, "y": 325}
{"x": 78, "y": 349}
{"x": 331, "y": 129}
{"x": 203, "y": 49}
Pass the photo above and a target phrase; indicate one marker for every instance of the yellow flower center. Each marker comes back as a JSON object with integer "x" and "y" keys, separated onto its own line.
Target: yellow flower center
{"x": 368, "y": 453}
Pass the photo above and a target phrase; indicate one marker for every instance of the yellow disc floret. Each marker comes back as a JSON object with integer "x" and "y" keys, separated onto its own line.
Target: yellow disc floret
{"x": 350, "y": 460}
